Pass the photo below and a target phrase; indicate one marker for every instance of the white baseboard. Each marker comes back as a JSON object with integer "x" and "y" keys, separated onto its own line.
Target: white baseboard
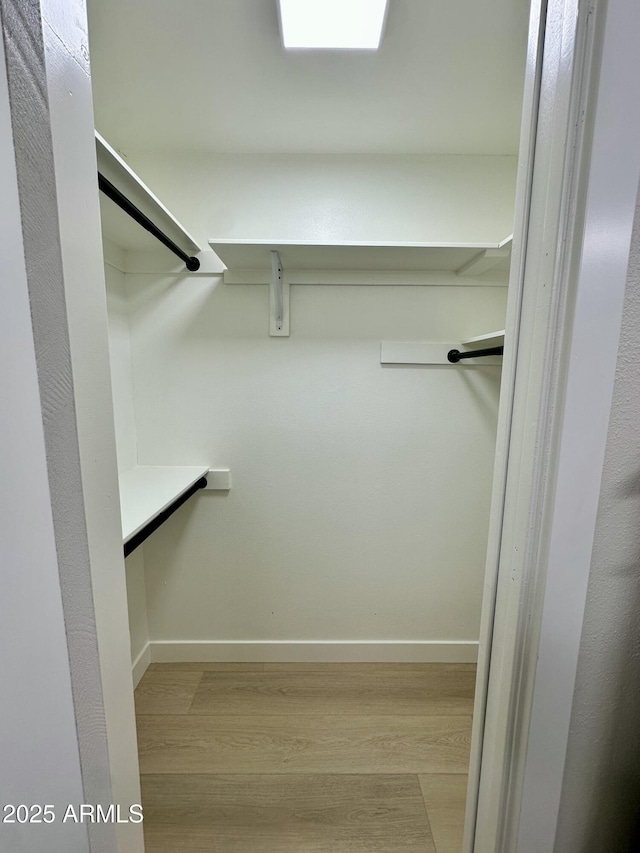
{"x": 323, "y": 651}
{"x": 140, "y": 664}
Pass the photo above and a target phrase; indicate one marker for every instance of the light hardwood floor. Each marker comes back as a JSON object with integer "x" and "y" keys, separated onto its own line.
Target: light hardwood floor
{"x": 311, "y": 758}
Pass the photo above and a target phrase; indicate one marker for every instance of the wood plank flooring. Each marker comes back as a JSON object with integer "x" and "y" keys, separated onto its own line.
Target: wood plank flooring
{"x": 342, "y": 692}
{"x": 311, "y": 758}
{"x": 446, "y": 799}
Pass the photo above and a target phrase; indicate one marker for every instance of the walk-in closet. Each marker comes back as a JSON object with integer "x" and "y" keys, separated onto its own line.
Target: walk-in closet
{"x": 307, "y": 257}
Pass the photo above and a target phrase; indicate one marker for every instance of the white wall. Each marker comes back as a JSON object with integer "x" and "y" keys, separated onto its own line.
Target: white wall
{"x": 360, "y": 497}
{"x": 120, "y": 357}
{"x": 435, "y": 198}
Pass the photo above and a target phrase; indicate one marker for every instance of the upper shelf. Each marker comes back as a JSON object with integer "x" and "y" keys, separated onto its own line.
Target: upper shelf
{"x": 147, "y": 490}
{"x": 254, "y": 255}
{"x": 116, "y": 225}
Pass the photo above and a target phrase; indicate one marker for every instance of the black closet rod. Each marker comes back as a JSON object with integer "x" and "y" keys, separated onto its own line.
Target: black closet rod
{"x": 454, "y": 355}
{"x": 155, "y": 523}
{"x": 123, "y": 202}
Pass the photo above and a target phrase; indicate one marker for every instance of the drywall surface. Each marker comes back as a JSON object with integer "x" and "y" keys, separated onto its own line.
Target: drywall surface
{"x": 120, "y": 359}
{"x": 601, "y": 791}
{"x": 360, "y": 498}
{"x": 435, "y": 198}
{"x": 447, "y": 77}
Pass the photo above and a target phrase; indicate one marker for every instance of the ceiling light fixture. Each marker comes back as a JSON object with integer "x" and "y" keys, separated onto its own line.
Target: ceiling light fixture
{"x": 332, "y": 24}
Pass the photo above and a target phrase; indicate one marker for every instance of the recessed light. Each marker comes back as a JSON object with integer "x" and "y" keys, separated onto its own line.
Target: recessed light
{"x": 332, "y": 24}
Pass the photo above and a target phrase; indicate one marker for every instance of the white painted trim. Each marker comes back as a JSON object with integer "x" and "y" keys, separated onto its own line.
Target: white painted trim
{"x": 485, "y": 796}
{"x": 564, "y": 318}
{"x": 366, "y": 278}
{"x": 42, "y": 753}
{"x": 141, "y": 664}
{"x": 307, "y": 651}
{"x": 604, "y": 242}
{"x": 71, "y": 118}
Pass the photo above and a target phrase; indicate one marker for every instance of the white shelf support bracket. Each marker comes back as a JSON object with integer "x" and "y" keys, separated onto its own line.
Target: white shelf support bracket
{"x": 279, "y": 300}
{"x": 484, "y": 262}
{"x": 219, "y": 479}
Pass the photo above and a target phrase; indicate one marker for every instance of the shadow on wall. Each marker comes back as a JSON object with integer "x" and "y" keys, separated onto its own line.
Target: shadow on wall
{"x": 481, "y": 384}
{"x": 607, "y": 716}
{"x": 600, "y": 808}
{"x": 606, "y": 721}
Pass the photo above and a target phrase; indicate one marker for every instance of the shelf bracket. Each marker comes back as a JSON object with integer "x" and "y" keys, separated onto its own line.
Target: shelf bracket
{"x": 279, "y": 299}
{"x": 484, "y": 261}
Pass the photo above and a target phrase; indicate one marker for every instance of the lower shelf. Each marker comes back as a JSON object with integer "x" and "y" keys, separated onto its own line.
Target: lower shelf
{"x": 148, "y": 492}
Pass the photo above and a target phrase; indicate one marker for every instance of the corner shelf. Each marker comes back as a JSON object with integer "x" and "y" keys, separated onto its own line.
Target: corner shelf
{"x": 146, "y": 491}
{"x": 117, "y": 226}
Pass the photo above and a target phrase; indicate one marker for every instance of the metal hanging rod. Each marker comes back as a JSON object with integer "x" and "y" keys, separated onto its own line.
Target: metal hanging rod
{"x": 155, "y": 523}
{"x": 454, "y": 355}
{"x": 123, "y": 202}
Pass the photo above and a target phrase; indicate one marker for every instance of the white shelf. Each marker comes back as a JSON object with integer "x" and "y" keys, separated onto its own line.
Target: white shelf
{"x": 117, "y": 226}
{"x": 147, "y": 490}
{"x": 491, "y": 339}
{"x": 253, "y": 256}
{"x": 429, "y": 352}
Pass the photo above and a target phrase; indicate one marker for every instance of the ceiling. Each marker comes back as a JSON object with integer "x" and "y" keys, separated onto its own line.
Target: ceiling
{"x": 212, "y": 76}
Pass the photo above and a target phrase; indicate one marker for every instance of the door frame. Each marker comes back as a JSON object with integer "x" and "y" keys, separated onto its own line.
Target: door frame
{"x": 47, "y": 143}
{"x": 558, "y": 374}
{"x": 575, "y": 208}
